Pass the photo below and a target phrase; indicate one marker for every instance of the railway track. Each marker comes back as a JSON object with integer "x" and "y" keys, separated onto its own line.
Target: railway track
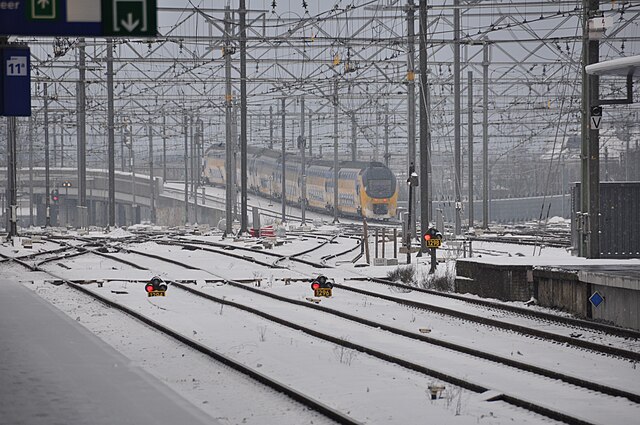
{"x": 570, "y": 321}
{"x": 294, "y": 394}
{"x": 576, "y": 324}
{"x": 592, "y": 386}
{"x": 305, "y": 400}
{"x": 549, "y": 374}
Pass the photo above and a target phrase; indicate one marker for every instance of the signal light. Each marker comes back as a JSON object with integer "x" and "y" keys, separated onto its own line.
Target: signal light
{"x": 432, "y": 238}
{"x": 155, "y": 284}
{"x": 321, "y": 282}
{"x": 54, "y": 195}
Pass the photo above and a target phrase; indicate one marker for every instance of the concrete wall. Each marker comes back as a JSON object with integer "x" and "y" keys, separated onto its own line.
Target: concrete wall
{"x": 506, "y": 283}
{"x": 170, "y": 212}
{"x": 561, "y": 290}
{"x": 620, "y": 306}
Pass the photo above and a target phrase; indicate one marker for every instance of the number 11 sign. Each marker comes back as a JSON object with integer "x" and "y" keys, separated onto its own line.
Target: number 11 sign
{"x": 15, "y": 81}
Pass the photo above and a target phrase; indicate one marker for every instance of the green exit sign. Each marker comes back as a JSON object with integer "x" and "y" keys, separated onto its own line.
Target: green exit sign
{"x": 129, "y": 18}
{"x": 42, "y": 9}
{"x": 79, "y": 18}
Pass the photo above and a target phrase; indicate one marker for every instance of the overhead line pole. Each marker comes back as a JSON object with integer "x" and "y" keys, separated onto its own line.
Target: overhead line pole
{"x": 590, "y": 186}
{"x": 310, "y": 134}
{"x": 228, "y": 97}
{"x": 186, "y": 168}
{"x": 270, "y": 126}
{"x": 164, "y": 146}
{"x": 152, "y": 185}
{"x": 111, "y": 137}
{"x": 456, "y": 115}
{"x": 485, "y": 135}
{"x": 243, "y": 118}
{"x": 470, "y": 148}
{"x": 335, "y": 151}
{"x": 411, "y": 113}
{"x": 82, "y": 134}
{"x": 47, "y": 189}
{"x": 283, "y": 183}
{"x": 303, "y": 148}
{"x": 31, "y": 222}
{"x": 354, "y": 137}
{"x": 425, "y": 148}
{"x": 386, "y": 135}
{"x": 12, "y": 207}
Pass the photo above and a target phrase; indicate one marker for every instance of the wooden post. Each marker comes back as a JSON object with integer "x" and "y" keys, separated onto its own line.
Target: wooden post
{"x": 366, "y": 241}
{"x": 376, "y": 237}
{"x": 395, "y": 243}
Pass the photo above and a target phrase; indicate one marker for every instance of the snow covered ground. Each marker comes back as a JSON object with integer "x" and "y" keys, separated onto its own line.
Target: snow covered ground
{"x": 363, "y": 386}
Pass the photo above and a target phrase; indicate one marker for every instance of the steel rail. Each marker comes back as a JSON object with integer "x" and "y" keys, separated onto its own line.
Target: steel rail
{"x": 615, "y": 392}
{"x": 604, "y": 349}
{"x": 298, "y": 396}
{"x": 525, "y": 404}
{"x": 579, "y": 323}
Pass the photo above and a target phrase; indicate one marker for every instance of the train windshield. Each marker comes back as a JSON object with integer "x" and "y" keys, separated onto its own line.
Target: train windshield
{"x": 379, "y": 182}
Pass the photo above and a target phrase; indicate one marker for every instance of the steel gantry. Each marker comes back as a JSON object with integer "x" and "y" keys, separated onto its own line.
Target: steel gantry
{"x": 524, "y": 56}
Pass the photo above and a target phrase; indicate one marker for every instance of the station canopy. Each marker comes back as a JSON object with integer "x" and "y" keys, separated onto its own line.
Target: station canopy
{"x": 621, "y": 66}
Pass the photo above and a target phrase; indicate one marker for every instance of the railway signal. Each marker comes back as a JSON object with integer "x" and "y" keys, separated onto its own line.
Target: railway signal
{"x": 55, "y": 197}
{"x": 156, "y": 287}
{"x": 322, "y": 287}
{"x": 432, "y": 240}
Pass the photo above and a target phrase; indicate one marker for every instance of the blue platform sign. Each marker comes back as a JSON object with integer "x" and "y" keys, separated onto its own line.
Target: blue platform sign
{"x": 596, "y": 299}
{"x": 15, "y": 82}
{"x": 91, "y": 18}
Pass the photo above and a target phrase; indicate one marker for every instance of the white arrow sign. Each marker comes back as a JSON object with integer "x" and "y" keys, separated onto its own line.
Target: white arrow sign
{"x": 595, "y": 122}
{"x": 130, "y": 24}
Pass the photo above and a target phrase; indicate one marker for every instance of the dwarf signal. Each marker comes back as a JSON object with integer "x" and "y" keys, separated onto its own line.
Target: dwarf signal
{"x": 432, "y": 238}
{"x": 156, "y": 287}
{"x": 322, "y": 287}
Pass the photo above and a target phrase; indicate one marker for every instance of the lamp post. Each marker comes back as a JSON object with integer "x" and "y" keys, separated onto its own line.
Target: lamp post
{"x": 412, "y": 181}
{"x": 128, "y": 141}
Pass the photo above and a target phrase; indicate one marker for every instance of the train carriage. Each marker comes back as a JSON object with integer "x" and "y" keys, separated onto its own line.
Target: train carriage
{"x": 365, "y": 189}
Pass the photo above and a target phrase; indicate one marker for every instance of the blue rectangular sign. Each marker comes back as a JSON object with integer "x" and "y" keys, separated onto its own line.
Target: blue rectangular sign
{"x": 51, "y": 17}
{"x": 15, "y": 82}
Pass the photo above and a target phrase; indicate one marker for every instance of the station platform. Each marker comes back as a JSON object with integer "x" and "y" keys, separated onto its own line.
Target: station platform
{"x": 565, "y": 283}
{"x": 54, "y": 371}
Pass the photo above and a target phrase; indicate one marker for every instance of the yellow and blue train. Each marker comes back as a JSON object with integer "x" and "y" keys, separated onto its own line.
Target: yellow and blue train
{"x": 365, "y": 189}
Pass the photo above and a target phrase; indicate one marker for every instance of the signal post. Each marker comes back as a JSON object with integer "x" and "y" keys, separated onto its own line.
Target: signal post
{"x": 432, "y": 240}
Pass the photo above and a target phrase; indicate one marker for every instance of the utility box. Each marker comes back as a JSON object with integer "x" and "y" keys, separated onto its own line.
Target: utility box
{"x": 619, "y": 219}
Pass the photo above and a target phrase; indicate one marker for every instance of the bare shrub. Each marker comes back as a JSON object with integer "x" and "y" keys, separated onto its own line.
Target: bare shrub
{"x": 443, "y": 281}
{"x": 404, "y": 275}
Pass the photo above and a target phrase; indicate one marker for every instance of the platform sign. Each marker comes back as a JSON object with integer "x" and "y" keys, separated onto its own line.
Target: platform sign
{"x": 596, "y": 299}
{"x": 323, "y": 292}
{"x": 595, "y": 118}
{"x": 434, "y": 243}
{"x": 127, "y": 17}
{"x": 112, "y": 18}
{"x": 15, "y": 82}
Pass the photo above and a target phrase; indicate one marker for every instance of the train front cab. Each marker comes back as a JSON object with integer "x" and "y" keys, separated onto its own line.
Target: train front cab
{"x": 379, "y": 199}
